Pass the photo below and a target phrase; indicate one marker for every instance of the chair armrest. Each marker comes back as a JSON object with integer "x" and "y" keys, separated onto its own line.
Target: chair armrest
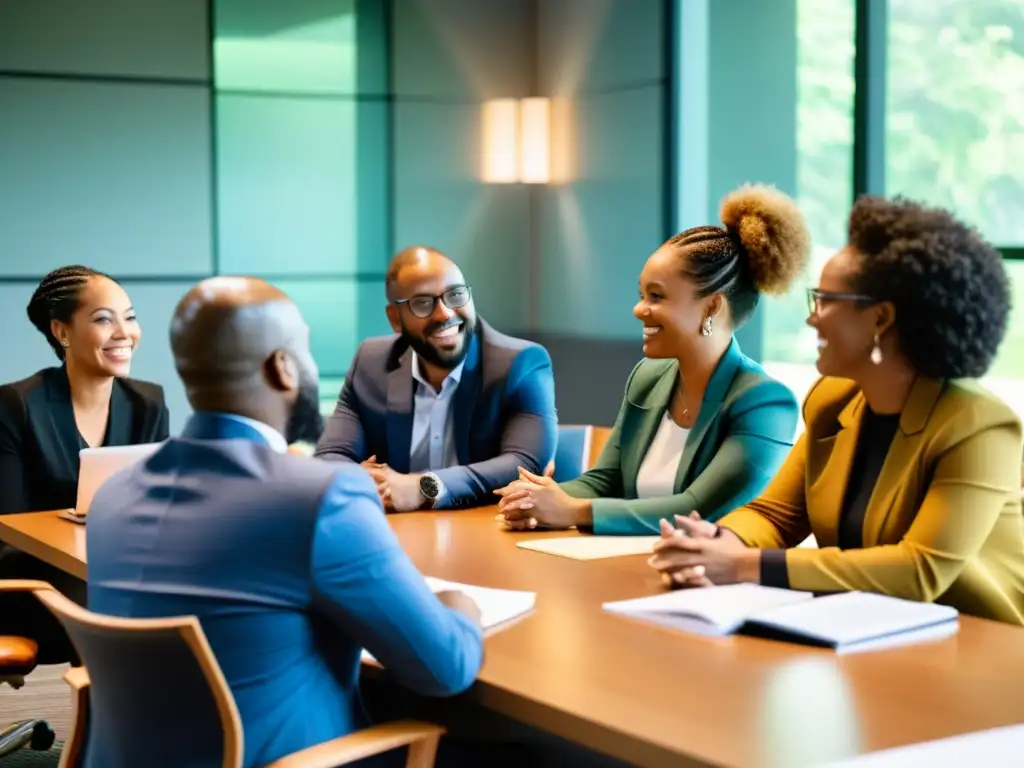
{"x": 421, "y": 738}
{"x": 23, "y": 585}
{"x": 77, "y": 678}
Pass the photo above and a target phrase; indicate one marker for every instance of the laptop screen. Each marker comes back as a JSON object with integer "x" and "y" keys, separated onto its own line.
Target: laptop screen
{"x": 98, "y": 464}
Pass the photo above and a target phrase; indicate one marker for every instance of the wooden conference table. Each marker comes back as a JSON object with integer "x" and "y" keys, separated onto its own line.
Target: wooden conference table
{"x": 655, "y": 697}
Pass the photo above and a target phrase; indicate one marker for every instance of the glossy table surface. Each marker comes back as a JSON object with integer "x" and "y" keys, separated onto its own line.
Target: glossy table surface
{"x": 657, "y": 697}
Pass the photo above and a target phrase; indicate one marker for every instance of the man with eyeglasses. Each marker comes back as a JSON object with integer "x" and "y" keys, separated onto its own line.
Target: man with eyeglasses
{"x": 448, "y": 410}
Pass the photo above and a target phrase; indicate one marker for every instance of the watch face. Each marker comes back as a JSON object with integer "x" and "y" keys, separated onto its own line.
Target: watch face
{"x": 428, "y": 485}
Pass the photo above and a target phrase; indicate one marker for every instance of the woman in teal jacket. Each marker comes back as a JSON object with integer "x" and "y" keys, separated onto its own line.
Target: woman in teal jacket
{"x": 702, "y": 428}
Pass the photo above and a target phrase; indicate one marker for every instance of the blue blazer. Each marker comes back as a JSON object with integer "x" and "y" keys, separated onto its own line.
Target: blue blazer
{"x": 292, "y": 569}
{"x": 503, "y": 410}
{"x": 743, "y": 433}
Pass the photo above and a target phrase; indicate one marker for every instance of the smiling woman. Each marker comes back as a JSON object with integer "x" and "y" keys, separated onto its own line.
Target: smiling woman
{"x": 701, "y": 426}
{"x": 46, "y": 419}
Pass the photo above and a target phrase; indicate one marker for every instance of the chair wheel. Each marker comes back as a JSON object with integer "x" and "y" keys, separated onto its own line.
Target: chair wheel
{"x": 42, "y": 736}
{"x": 34, "y": 734}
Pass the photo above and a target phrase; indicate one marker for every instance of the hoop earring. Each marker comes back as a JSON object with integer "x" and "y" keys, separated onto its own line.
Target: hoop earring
{"x": 876, "y": 351}
{"x": 705, "y": 329}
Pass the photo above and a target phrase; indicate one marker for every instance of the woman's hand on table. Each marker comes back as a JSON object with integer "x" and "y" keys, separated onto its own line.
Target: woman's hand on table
{"x": 536, "y": 501}
{"x": 698, "y": 554}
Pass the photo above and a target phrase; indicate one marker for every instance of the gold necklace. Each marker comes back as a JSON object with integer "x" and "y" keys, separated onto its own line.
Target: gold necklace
{"x": 682, "y": 396}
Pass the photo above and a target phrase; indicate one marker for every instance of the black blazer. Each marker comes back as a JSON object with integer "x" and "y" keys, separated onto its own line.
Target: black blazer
{"x": 39, "y": 440}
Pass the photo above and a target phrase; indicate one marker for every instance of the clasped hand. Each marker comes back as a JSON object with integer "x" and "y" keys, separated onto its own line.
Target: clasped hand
{"x": 691, "y": 555}
{"x": 537, "y": 501}
{"x": 398, "y": 492}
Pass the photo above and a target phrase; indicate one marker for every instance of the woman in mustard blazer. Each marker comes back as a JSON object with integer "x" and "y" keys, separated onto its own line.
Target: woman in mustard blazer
{"x": 701, "y": 426}
{"x": 908, "y": 474}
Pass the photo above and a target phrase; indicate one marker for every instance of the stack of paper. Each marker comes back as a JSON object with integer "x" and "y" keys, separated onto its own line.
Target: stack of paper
{"x": 497, "y": 606}
{"x": 592, "y": 547}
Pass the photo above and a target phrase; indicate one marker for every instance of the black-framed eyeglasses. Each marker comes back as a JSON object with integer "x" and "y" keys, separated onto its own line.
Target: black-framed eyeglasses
{"x": 423, "y": 305}
{"x": 815, "y": 297}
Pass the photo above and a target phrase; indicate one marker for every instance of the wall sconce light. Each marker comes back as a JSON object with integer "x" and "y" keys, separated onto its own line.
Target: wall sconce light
{"x": 517, "y": 141}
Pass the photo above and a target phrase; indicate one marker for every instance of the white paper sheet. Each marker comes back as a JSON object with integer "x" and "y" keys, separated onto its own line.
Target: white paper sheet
{"x": 497, "y": 606}
{"x": 994, "y": 748}
{"x": 592, "y": 547}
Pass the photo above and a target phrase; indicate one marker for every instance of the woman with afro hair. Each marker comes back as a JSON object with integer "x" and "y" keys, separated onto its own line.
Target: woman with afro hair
{"x": 908, "y": 474}
{"x": 701, "y": 426}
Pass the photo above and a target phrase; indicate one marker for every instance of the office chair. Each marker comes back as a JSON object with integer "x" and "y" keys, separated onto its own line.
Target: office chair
{"x": 572, "y": 456}
{"x": 153, "y": 694}
{"x": 18, "y": 659}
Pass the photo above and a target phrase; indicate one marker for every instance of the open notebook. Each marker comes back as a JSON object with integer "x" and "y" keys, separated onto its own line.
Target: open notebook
{"x": 849, "y": 621}
{"x": 498, "y": 607}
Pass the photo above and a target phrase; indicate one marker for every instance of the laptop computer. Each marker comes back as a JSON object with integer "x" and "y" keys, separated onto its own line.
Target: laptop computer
{"x": 96, "y": 466}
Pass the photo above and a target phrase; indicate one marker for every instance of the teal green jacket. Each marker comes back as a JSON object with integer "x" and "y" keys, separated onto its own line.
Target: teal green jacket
{"x": 743, "y": 432}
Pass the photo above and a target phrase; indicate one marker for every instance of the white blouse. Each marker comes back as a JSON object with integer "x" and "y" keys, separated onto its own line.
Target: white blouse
{"x": 657, "y": 475}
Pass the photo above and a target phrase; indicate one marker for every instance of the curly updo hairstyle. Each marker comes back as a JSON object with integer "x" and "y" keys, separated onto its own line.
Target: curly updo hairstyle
{"x": 949, "y": 287}
{"x": 56, "y": 298}
{"x": 762, "y": 247}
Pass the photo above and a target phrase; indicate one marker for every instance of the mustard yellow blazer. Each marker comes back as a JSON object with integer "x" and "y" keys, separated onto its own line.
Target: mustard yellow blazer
{"x": 944, "y": 520}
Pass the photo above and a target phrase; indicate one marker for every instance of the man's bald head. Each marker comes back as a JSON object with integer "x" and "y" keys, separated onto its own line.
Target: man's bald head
{"x": 225, "y": 328}
{"x": 420, "y": 259}
{"x": 241, "y": 345}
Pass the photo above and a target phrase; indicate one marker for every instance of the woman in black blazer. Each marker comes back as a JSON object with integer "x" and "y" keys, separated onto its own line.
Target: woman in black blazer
{"x": 46, "y": 419}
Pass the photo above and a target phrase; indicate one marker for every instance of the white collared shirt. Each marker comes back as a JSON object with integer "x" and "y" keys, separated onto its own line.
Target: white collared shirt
{"x": 432, "y": 446}
{"x": 272, "y": 436}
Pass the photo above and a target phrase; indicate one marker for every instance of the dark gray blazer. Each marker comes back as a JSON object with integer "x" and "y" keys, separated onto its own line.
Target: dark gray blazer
{"x": 39, "y": 441}
{"x": 504, "y": 411}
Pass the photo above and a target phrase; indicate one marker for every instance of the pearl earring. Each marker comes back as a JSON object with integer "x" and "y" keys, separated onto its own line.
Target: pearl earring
{"x": 64, "y": 343}
{"x": 876, "y": 351}
{"x": 705, "y": 329}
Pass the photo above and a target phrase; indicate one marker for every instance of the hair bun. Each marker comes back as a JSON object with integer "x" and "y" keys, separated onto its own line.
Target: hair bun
{"x": 38, "y": 313}
{"x": 773, "y": 233}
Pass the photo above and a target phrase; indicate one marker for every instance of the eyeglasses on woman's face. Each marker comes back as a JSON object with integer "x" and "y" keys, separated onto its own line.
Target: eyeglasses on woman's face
{"x": 817, "y": 297}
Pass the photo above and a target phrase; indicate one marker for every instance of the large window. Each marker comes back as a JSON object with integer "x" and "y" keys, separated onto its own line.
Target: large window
{"x": 825, "y": 90}
{"x": 955, "y": 109}
{"x": 955, "y": 127}
{"x": 954, "y": 137}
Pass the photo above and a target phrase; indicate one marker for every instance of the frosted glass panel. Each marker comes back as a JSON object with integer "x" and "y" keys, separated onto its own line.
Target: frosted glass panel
{"x": 307, "y": 46}
{"x": 287, "y": 184}
{"x": 141, "y": 38}
{"x": 114, "y": 176}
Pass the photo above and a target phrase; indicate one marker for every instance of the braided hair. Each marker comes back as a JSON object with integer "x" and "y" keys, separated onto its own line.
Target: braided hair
{"x": 56, "y": 298}
{"x": 762, "y": 247}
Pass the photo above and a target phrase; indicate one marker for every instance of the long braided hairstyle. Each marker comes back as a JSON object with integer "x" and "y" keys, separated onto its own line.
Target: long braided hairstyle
{"x": 56, "y": 298}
